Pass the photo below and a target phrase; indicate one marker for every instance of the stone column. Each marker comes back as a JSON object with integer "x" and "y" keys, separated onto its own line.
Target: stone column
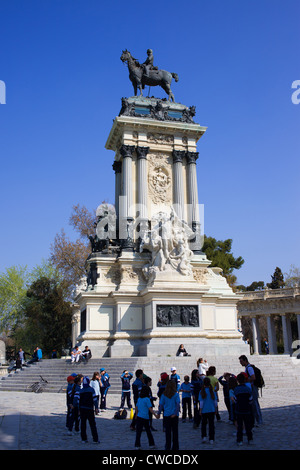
{"x": 126, "y": 215}
{"x": 287, "y": 334}
{"x": 142, "y": 190}
{"x": 117, "y": 167}
{"x": 178, "y": 193}
{"x": 193, "y": 202}
{"x": 271, "y": 335}
{"x": 126, "y": 152}
{"x": 256, "y": 336}
{"x": 298, "y": 325}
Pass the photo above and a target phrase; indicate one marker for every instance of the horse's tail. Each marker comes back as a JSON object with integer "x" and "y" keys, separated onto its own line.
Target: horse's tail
{"x": 175, "y": 76}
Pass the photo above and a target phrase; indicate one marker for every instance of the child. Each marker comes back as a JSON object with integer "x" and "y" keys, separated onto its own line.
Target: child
{"x": 211, "y": 372}
{"x": 232, "y": 383}
{"x": 126, "y": 393}
{"x": 174, "y": 376}
{"x": 104, "y": 386}
{"x": 143, "y": 408}
{"x": 196, "y": 385}
{"x": 224, "y": 381}
{"x": 85, "y": 399}
{"x": 148, "y": 382}
{"x": 162, "y": 383}
{"x": 136, "y": 389}
{"x": 95, "y": 384}
{"x": 74, "y": 416}
{"x": 186, "y": 399}
{"x": 208, "y": 409}
{"x": 170, "y": 405}
{"x": 69, "y": 398}
{"x": 243, "y": 409}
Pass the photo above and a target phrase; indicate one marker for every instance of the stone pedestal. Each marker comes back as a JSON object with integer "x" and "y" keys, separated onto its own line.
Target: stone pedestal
{"x": 152, "y": 288}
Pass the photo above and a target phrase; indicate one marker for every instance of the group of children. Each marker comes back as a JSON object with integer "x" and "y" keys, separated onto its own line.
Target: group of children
{"x": 196, "y": 396}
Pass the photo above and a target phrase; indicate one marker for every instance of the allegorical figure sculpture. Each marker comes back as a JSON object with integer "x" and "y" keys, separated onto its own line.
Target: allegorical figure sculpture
{"x": 146, "y": 74}
{"x": 168, "y": 244}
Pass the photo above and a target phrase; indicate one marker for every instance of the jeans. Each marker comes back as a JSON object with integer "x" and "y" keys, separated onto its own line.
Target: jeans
{"x": 244, "y": 419}
{"x": 140, "y": 424}
{"x": 88, "y": 415}
{"x": 126, "y": 396}
{"x": 210, "y": 419}
{"x": 171, "y": 430}
{"x": 186, "y": 407}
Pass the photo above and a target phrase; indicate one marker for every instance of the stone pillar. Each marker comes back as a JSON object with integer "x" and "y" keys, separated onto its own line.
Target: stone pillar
{"x": 142, "y": 190}
{"x": 126, "y": 207}
{"x": 193, "y": 202}
{"x": 117, "y": 167}
{"x": 178, "y": 193}
{"x": 287, "y": 334}
{"x": 298, "y": 325}
{"x": 256, "y": 336}
{"x": 126, "y": 152}
{"x": 271, "y": 335}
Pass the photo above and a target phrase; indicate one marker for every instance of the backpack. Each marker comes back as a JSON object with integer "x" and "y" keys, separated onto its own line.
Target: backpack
{"x": 259, "y": 380}
{"x": 120, "y": 414}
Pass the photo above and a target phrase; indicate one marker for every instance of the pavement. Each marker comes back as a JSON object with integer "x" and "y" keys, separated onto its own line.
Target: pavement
{"x": 36, "y": 421}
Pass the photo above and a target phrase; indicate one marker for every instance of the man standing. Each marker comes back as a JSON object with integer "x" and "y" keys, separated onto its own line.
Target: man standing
{"x": 249, "y": 370}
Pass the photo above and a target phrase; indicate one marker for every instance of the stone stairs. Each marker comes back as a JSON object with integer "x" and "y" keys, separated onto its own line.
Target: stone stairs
{"x": 279, "y": 371}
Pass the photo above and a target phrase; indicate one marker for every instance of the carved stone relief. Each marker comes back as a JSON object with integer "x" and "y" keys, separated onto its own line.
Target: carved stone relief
{"x": 160, "y": 179}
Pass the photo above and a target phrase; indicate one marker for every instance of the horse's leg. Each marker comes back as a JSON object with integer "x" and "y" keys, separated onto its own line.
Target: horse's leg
{"x": 167, "y": 88}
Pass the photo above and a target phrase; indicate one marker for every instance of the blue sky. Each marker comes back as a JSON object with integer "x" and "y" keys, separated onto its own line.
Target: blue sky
{"x": 236, "y": 61}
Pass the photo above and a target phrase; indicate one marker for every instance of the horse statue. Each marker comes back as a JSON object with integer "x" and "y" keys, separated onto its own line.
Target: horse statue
{"x": 156, "y": 77}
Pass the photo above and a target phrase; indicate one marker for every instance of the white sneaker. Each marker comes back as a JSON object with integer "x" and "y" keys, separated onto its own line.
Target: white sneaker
{"x": 204, "y": 439}
{"x": 211, "y": 442}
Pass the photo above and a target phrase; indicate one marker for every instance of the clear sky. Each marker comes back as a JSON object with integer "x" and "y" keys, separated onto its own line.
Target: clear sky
{"x": 236, "y": 61}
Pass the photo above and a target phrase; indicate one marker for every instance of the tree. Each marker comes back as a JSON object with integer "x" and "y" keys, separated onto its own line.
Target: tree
{"x": 48, "y": 314}
{"x": 219, "y": 253}
{"x": 277, "y": 280}
{"x": 254, "y": 286}
{"x": 69, "y": 257}
{"x": 292, "y": 278}
{"x": 13, "y": 286}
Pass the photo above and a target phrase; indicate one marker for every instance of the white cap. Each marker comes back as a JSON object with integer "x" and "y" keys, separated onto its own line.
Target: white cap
{"x": 173, "y": 368}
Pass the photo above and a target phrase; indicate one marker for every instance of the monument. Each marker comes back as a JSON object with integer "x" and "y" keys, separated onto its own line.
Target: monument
{"x": 149, "y": 286}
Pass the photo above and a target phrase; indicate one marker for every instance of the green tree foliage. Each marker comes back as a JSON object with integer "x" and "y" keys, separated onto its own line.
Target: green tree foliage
{"x": 277, "y": 280}
{"x": 13, "y": 286}
{"x": 220, "y": 255}
{"x": 48, "y": 314}
{"x": 256, "y": 285}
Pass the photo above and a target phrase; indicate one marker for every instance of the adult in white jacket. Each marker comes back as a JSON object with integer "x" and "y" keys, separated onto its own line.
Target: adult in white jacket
{"x": 202, "y": 366}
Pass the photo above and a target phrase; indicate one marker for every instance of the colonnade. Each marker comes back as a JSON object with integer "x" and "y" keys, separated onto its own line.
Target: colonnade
{"x": 269, "y": 304}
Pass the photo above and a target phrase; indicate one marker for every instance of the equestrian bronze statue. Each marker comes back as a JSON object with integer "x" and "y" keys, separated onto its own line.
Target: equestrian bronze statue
{"x": 146, "y": 74}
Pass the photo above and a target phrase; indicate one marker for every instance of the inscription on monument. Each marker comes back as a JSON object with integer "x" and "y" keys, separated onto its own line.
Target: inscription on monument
{"x": 177, "y": 315}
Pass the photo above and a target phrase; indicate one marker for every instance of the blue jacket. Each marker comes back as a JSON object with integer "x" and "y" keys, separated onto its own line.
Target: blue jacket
{"x": 126, "y": 382}
{"x": 176, "y": 378}
{"x": 85, "y": 398}
{"x": 243, "y": 399}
